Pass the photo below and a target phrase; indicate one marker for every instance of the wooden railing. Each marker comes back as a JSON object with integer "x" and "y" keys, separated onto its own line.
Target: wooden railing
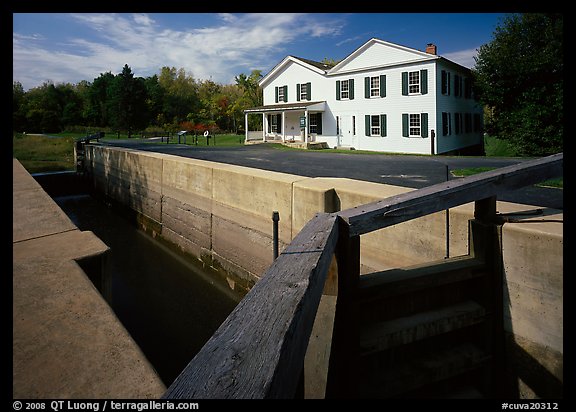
{"x": 259, "y": 350}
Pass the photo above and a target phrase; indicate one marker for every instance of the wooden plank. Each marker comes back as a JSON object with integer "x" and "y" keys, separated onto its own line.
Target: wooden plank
{"x": 407, "y": 206}
{"x": 393, "y": 282}
{"x": 258, "y": 352}
{"x": 380, "y": 336}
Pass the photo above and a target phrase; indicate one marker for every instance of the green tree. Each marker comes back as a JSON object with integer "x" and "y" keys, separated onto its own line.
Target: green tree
{"x": 128, "y": 102}
{"x": 99, "y": 93}
{"x": 519, "y": 76}
{"x": 251, "y": 87}
{"x": 180, "y": 92}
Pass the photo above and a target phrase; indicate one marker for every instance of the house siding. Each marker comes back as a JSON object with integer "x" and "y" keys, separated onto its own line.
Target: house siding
{"x": 350, "y": 113}
{"x": 454, "y": 104}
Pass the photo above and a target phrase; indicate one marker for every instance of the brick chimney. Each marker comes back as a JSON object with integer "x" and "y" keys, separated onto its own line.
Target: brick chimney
{"x": 431, "y": 48}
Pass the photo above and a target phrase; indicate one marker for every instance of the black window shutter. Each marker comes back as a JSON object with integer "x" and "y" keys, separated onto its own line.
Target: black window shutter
{"x": 449, "y": 82}
{"x": 269, "y": 117}
{"x": 383, "y": 125}
{"x": 309, "y": 91}
{"x": 424, "y": 124}
{"x": 279, "y": 123}
{"x": 367, "y": 87}
{"x": 405, "y": 83}
{"x": 298, "y": 92}
{"x": 276, "y": 90}
{"x": 367, "y": 124}
{"x": 444, "y": 82}
{"x": 318, "y": 122}
{"x": 351, "y": 89}
{"x": 337, "y": 89}
{"x": 285, "y": 93}
{"x": 382, "y": 85}
{"x": 423, "y": 81}
{"x": 405, "y": 124}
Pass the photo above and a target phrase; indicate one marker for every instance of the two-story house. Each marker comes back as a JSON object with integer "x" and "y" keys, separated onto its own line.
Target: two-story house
{"x": 382, "y": 97}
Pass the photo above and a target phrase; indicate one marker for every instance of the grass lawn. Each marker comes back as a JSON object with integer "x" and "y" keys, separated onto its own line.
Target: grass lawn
{"x": 44, "y": 154}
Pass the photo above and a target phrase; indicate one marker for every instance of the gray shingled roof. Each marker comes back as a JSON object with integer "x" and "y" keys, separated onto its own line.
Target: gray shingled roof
{"x": 319, "y": 65}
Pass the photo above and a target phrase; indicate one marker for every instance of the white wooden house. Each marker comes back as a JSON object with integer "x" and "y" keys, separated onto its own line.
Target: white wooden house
{"x": 382, "y": 97}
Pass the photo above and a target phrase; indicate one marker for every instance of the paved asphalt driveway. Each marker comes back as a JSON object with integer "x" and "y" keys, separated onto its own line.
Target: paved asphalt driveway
{"x": 405, "y": 170}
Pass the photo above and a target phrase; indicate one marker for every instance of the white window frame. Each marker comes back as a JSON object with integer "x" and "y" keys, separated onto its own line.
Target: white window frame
{"x": 304, "y": 91}
{"x": 414, "y": 125}
{"x": 374, "y": 86}
{"x": 342, "y": 91}
{"x": 414, "y": 82}
{"x": 375, "y": 129}
{"x": 281, "y": 94}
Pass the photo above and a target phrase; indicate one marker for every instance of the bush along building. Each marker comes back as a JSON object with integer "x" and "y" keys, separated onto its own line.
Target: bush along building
{"x": 382, "y": 97}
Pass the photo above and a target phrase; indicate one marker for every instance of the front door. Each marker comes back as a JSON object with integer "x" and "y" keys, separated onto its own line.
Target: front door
{"x": 347, "y": 129}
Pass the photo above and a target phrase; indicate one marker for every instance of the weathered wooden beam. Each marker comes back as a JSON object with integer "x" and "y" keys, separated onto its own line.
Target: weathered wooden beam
{"x": 258, "y": 352}
{"x": 407, "y": 206}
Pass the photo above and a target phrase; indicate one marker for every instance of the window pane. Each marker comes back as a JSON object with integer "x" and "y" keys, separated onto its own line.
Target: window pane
{"x": 375, "y": 125}
{"x": 375, "y": 86}
{"x": 344, "y": 89}
{"x": 414, "y": 124}
{"x": 414, "y": 82}
{"x": 303, "y": 91}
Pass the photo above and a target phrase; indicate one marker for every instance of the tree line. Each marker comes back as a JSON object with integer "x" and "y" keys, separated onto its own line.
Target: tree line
{"x": 167, "y": 102}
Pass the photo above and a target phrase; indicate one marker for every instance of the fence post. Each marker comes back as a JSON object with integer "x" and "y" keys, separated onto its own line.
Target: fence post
{"x": 275, "y": 220}
{"x": 341, "y": 379}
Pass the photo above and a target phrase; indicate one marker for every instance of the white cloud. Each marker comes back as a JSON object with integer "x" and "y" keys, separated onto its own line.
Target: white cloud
{"x": 463, "y": 57}
{"x": 219, "y": 52}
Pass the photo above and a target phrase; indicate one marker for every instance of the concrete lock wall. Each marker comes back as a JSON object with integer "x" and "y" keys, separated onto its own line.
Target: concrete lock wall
{"x": 222, "y": 213}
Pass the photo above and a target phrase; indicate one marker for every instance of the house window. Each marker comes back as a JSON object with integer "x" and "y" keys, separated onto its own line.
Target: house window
{"x": 445, "y": 82}
{"x": 413, "y": 82}
{"x": 315, "y": 122}
{"x": 304, "y": 91}
{"x": 414, "y": 129}
{"x": 375, "y": 125}
{"x": 375, "y": 86}
{"x": 458, "y": 123}
{"x": 274, "y": 124}
{"x": 345, "y": 89}
{"x": 446, "y": 126}
{"x": 281, "y": 94}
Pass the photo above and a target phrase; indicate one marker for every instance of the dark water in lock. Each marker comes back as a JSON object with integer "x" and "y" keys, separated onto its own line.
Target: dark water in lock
{"x": 169, "y": 306}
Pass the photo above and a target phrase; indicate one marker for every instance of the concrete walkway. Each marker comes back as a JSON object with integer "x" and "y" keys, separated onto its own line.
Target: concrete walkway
{"x": 67, "y": 342}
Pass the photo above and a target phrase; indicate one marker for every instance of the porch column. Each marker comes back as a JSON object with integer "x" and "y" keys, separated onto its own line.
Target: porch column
{"x": 264, "y": 126}
{"x": 306, "y": 128}
{"x": 283, "y": 126}
{"x": 246, "y": 127}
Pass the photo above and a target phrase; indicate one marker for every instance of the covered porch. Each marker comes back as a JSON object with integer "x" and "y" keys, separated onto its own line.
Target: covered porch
{"x": 289, "y": 122}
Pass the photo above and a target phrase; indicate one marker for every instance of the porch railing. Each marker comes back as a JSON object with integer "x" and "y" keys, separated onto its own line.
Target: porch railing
{"x": 259, "y": 350}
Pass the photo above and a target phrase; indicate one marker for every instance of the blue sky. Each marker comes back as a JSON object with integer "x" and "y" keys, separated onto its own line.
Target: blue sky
{"x": 68, "y": 48}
